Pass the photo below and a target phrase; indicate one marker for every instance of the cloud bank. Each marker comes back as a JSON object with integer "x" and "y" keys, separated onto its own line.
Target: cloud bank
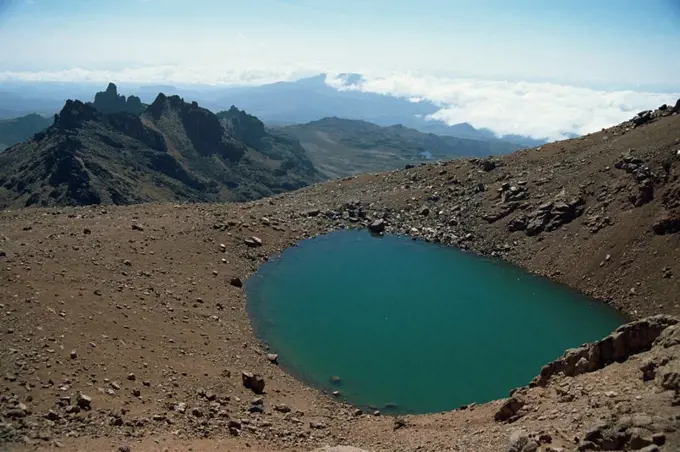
{"x": 539, "y": 110}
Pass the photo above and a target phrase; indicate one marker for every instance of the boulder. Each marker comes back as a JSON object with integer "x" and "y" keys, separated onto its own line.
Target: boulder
{"x": 517, "y": 224}
{"x": 509, "y": 409}
{"x": 642, "y": 117}
{"x": 254, "y": 382}
{"x": 667, "y": 223}
{"x": 377, "y": 227}
{"x": 253, "y": 242}
{"x": 518, "y": 439}
{"x": 488, "y": 164}
{"x": 84, "y": 401}
{"x": 668, "y": 376}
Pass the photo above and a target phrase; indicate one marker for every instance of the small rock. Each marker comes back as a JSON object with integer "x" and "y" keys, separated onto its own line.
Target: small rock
{"x": 236, "y": 282}
{"x": 181, "y": 407}
{"x": 281, "y": 408}
{"x": 235, "y": 423}
{"x": 659, "y": 439}
{"x": 253, "y": 242}
{"x": 131, "y": 377}
{"x": 377, "y": 227}
{"x": 399, "y": 423}
{"x": 317, "y": 425}
{"x": 87, "y": 231}
{"x": 652, "y": 448}
{"x": 124, "y": 449}
{"x": 137, "y": 227}
{"x": 254, "y": 382}
{"x": 84, "y": 401}
{"x": 273, "y": 358}
{"x": 74, "y": 355}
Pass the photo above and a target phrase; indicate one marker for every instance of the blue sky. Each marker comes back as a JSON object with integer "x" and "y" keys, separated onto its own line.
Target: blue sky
{"x": 621, "y": 43}
{"x": 545, "y": 68}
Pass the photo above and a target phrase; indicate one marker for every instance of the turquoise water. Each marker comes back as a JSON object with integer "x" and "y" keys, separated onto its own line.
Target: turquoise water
{"x": 413, "y": 327}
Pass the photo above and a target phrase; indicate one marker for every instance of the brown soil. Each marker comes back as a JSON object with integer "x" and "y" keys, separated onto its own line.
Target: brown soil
{"x": 156, "y": 301}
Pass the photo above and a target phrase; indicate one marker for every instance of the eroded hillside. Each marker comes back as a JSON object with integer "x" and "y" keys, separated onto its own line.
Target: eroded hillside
{"x": 126, "y": 326}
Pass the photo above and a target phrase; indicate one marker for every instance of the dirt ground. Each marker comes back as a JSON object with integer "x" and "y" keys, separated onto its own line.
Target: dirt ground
{"x": 137, "y": 307}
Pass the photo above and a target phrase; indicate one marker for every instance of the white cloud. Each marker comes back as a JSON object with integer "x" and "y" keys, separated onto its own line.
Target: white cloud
{"x": 540, "y": 110}
{"x": 185, "y": 74}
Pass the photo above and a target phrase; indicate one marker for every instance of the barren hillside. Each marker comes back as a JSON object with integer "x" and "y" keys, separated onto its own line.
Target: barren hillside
{"x": 124, "y": 328}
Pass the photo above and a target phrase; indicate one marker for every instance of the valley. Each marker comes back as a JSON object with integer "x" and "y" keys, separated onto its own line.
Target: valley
{"x": 125, "y": 327}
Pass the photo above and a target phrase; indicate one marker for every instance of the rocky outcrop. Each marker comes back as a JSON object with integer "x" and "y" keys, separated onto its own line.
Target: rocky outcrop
{"x": 109, "y": 101}
{"x": 627, "y": 340}
{"x": 74, "y": 114}
{"x": 243, "y": 126}
{"x": 636, "y": 432}
{"x": 510, "y": 410}
{"x": 644, "y": 180}
{"x": 551, "y": 215}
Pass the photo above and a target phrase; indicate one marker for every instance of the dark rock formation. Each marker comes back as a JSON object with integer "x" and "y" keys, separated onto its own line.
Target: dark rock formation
{"x": 174, "y": 151}
{"x": 74, "y": 114}
{"x": 551, "y": 215}
{"x": 627, "y": 340}
{"x": 110, "y": 101}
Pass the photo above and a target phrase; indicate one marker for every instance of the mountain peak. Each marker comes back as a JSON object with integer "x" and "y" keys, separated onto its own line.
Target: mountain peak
{"x": 109, "y": 101}
{"x": 73, "y": 114}
{"x": 242, "y": 126}
{"x": 112, "y": 89}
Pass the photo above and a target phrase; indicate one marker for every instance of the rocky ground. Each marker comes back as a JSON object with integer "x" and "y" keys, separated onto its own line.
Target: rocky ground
{"x": 124, "y": 328}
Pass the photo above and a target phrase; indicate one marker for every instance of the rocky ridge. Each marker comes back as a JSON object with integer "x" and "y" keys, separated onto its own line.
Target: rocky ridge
{"x": 176, "y": 151}
{"x": 126, "y": 326}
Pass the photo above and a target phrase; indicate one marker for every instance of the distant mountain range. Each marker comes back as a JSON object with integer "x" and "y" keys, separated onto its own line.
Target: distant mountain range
{"x": 173, "y": 151}
{"x": 341, "y": 147}
{"x": 16, "y": 130}
{"x": 119, "y": 150}
{"x": 310, "y": 99}
{"x": 281, "y": 103}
